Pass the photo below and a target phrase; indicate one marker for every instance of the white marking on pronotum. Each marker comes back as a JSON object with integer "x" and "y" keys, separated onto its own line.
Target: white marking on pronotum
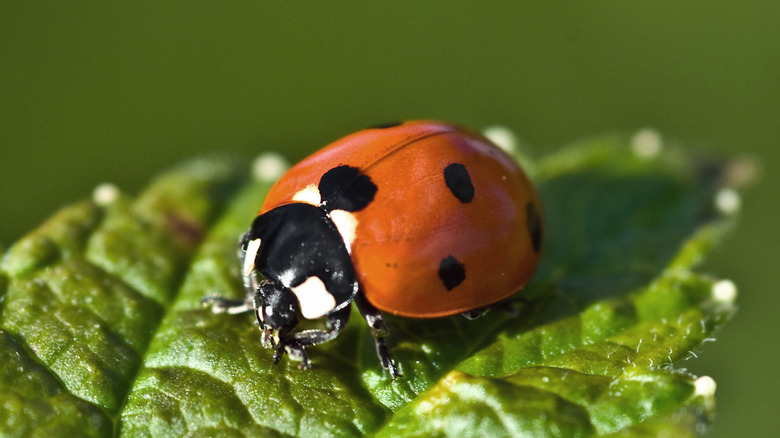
{"x": 259, "y": 313}
{"x": 251, "y": 254}
{"x": 646, "y": 143}
{"x": 314, "y": 298}
{"x": 346, "y": 223}
{"x": 705, "y": 386}
{"x": 268, "y": 167}
{"x": 308, "y": 195}
{"x": 502, "y": 136}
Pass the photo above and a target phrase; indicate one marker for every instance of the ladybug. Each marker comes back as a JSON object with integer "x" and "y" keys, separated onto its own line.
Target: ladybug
{"x": 420, "y": 219}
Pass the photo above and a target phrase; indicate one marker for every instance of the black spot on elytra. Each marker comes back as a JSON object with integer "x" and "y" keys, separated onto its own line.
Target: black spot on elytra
{"x": 346, "y": 188}
{"x": 534, "y": 224}
{"x": 458, "y": 181}
{"x": 451, "y": 272}
{"x": 386, "y": 125}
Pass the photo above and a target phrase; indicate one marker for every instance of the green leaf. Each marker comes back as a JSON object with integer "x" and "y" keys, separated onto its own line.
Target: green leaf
{"x": 102, "y": 332}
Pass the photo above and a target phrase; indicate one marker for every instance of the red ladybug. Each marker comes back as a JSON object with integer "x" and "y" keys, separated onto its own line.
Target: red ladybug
{"x": 420, "y": 219}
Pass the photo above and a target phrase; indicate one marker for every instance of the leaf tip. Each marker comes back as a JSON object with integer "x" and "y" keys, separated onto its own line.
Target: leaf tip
{"x": 705, "y": 386}
{"x": 724, "y": 292}
{"x": 106, "y": 194}
{"x": 646, "y": 143}
{"x": 269, "y": 166}
{"x": 728, "y": 201}
{"x": 502, "y": 136}
{"x": 508, "y": 141}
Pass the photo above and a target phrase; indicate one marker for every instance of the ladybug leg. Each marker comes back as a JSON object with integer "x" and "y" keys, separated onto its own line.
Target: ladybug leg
{"x": 374, "y": 319}
{"x": 384, "y": 356}
{"x": 221, "y": 304}
{"x": 295, "y": 343}
{"x": 475, "y": 313}
{"x": 506, "y": 307}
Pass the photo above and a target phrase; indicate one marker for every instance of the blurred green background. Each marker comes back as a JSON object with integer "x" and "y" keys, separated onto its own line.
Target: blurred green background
{"x": 94, "y": 92}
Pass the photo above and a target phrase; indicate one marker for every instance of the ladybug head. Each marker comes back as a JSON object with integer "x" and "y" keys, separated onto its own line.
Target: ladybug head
{"x": 277, "y": 311}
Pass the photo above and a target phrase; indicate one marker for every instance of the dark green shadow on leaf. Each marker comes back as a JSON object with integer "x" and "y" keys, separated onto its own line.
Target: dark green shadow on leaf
{"x": 34, "y": 403}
